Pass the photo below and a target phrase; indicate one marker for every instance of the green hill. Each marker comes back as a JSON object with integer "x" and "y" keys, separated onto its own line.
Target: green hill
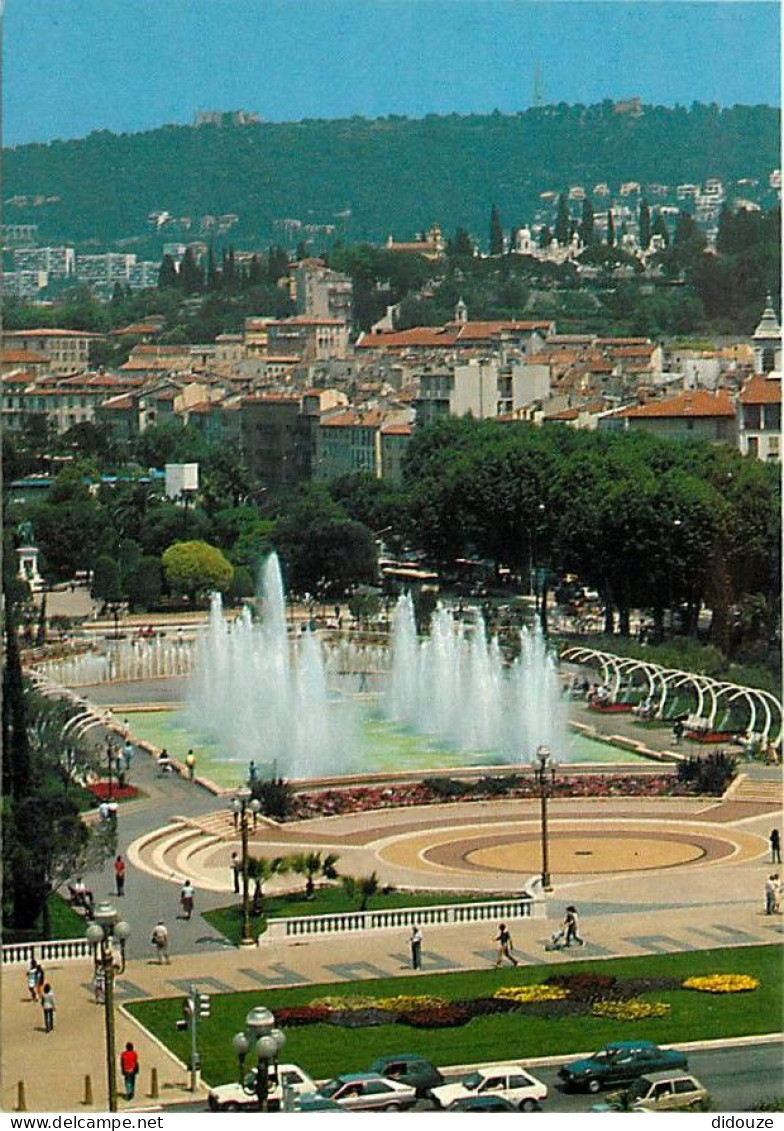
{"x": 370, "y": 178}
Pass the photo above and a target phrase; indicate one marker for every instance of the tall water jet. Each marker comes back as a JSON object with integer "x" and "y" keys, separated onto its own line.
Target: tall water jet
{"x": 264, "y": 697}
{"x": 455, "y": 686}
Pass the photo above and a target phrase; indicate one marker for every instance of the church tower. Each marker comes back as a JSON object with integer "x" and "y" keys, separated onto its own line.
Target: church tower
{"x": 767, "y": 341}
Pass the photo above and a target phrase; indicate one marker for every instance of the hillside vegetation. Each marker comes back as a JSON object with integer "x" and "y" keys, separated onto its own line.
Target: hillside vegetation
{"x": 372, "y": 177}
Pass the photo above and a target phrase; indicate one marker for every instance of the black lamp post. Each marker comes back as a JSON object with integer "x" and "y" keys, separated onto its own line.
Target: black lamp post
{"x": 269, "y": 1040}
{"x": 103, "y": 932}
{"x": 245, "y": 806}
{"x": 544, "y": 770}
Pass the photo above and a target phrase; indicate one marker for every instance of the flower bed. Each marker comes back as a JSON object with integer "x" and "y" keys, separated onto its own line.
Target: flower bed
{"x": 445, "y": 1016}
{"x": 589, "y": 987}
{"x": 722, "y": 984}
{"x": 525, "y": 994}
{"x": 362, "y": 798}
{"x": 630, "y": 1010}
{"x": 102, "y": 791}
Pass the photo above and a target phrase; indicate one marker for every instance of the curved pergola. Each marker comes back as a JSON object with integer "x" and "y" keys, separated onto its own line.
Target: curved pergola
{"x": 763, "y": 709}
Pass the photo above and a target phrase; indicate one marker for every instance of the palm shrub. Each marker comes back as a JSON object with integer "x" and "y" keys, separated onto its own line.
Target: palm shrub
{"x": 312, "y": 864}
{"x": 362, "y": 888}
{"x": 260, "y": 870}
{"x": 709, "y": 774}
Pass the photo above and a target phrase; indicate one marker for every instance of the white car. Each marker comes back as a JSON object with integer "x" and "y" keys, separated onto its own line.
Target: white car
{"x": 367, "y": 1091}
{"x": 236, "y": 1097}
{"x": 512, "y": 1083}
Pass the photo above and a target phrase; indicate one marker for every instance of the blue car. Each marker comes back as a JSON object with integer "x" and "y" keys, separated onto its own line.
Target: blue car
{"x": 619, "y": 1063}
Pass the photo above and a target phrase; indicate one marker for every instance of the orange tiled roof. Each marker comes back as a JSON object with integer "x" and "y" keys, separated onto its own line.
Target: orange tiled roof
{"x": 23, "y": 357}
{"x": 396, "y": 430}
{"x": 120, "y": 403}
{"x": 698, "y": 403}
{"x": 761, "y": 389}
{"x": 353, "y": 419}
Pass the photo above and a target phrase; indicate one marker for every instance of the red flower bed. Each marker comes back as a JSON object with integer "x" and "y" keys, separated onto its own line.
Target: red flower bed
{"x": 101, "y": 792}
{"x": 588, "y": 987}
{"x": 436, "y": 1017}
{"x": 362, "y": 798}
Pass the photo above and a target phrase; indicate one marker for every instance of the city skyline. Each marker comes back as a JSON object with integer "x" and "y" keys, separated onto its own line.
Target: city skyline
{"x": 411, "y": 57}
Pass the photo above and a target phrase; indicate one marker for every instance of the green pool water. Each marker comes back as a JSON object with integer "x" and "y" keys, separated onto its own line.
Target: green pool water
{"x": 385, "y": 747}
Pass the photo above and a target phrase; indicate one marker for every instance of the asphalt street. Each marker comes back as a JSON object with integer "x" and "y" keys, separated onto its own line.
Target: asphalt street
{"x": 738, "y": 1078}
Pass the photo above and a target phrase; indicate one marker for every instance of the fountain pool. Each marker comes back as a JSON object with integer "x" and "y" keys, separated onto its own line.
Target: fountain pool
{"x": 385, "y": 747}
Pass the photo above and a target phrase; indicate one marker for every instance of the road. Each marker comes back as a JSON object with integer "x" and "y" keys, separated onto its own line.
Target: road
{"x": 737, "y": 1079}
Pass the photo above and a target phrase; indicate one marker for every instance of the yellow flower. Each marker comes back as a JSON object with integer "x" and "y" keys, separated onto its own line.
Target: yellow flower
{"x": 722, "y": 983}
{"x": 532, "y": 993}
{"x": 403, "y": 1003}
{"x": 633, "y": 1010}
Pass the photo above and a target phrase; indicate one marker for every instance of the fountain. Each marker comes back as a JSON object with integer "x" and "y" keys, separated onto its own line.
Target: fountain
{"x": 454, "y": 684}
{"x": 265, "y": 697}
{"x": 293, "y": 705}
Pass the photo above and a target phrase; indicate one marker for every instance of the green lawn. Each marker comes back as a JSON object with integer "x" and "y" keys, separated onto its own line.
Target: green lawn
{"x": 65, "y": 924}
{"x": 327, "y": 901}
{"x": 324, "y": 1050}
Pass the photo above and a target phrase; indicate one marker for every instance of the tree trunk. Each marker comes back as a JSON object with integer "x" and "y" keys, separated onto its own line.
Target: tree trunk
{"x": 623, "y": 620}
{"x": 658, "y": 624}
{"x": 609, "y": 618}
{"x": 543, "y": 606}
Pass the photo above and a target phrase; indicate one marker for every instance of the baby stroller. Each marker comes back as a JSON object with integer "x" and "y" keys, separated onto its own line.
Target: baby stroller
{"x": 557, "y": 940}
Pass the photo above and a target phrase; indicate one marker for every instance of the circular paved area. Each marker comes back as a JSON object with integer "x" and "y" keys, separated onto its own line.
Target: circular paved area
{"x": 570, "y": 855}
{"x": 443, "y": 845}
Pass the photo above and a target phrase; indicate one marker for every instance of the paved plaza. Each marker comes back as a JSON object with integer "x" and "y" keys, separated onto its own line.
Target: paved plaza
{"x": 649, "y": 876}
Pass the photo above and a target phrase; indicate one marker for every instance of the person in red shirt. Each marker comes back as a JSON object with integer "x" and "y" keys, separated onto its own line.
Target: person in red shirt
{"x": 119, "y": 875}
{"x": 129, "y": 1066}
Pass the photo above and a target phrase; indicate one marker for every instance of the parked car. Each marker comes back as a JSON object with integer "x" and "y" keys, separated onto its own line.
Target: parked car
{"x": 667, "y": 1091}
{"x": 367, "y": 1091}
{"x": 620, "y": 1062}
{"x": 511, "y": 1083}
{"x": 408, "y": 1068}
{"x": 315, "y": 1103}
{"x": 482, "y": 1103}
{"x": 236, "y": 1097}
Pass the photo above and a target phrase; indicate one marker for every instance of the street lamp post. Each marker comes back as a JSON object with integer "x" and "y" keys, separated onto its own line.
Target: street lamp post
{"x": 544, "y": 769}
{"x": 269, "y": 1040}
{"x": 106, "y": 929}
{"x": 244, "y": 806}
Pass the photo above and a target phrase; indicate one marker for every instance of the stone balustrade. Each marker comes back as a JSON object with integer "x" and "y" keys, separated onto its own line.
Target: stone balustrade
{"x": 52, "y": 950}
{"x": 496, "y": 910}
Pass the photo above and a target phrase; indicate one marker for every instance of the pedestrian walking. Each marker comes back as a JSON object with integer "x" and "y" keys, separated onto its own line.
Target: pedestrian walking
{"x": 49, "y": 1007}
{"x": 127, "y": 753}
{"x": 32, "y": 980}
{"x": 129, "y": 1066}
{"x": 190, "y": 762}
{"x": 775, "y": 846}
{"x": 771, "y": 893}
{"x": 253, "y": 772}
{"x": 187, "y": 894}
{"x": 40, "y": 979}
{"x": 99, "y": 984}
{"x": 571, "y": 927}
{"x": 119, "y": 874}
{"x": 235, "y": 813}
{"x": 160, "y": 940}
{"x": 677, "y": 732}
{"x": 236, "y": 872}
{"x": 415, "y": 941}
{"x": 505, "y": 946}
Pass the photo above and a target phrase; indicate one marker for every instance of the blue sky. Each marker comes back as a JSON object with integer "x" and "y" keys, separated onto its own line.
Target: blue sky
{"x": 72, "y": 66}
